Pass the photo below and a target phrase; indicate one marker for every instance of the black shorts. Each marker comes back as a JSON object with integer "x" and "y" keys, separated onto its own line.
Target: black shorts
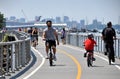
{"x": 50, "y": 43}
{"x": 35, "y": 37}
{"x": 89, "y": 51}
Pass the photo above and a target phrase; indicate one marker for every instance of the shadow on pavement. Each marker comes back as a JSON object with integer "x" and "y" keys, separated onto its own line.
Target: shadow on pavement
{"x": 60, "y": 65}
{"x": 97, "y": 66}
{"x": 116, "y": 64}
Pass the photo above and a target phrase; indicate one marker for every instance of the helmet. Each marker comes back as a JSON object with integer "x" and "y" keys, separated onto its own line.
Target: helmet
{"x": 90, "y": 35}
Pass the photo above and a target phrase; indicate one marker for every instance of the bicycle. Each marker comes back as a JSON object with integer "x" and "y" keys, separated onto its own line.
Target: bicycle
{"x": 90, "y": 59}
{"x": 110, "y": 54}
{"x": 110, "y": 51}
{"x": 50, "y": 55}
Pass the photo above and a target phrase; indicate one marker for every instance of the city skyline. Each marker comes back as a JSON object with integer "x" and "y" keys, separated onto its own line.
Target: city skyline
{"x": 94, "y": 26}
{"x": 55, "y": 20}
{"x": 102, "y": 10}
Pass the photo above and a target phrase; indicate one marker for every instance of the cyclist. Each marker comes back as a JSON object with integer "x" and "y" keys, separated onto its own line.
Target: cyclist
{"x": 109, "y": 35}
{"x": 50, "y": 36}
{"x": 89, "y": 45}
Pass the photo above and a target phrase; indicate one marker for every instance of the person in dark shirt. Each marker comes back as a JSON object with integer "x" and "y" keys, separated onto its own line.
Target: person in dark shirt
{"x": 108, "y": 35}
{"x": 30, "y": 32}
{"x": 35, "y": 34}
{"x": 63, "y": 36}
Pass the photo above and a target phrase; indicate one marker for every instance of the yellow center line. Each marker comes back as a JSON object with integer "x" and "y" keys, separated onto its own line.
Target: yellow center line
{"x": 76, "y": 62}
{"x": 74, "y": 59}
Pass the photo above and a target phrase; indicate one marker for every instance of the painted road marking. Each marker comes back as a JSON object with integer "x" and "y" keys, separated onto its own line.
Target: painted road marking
{"x": 43, "y": 61}
{"x": 107, "y": 61}
{"x": 117, "y": 66}
{"x": 74, "y": 59}
{"x": 76, "y": 62}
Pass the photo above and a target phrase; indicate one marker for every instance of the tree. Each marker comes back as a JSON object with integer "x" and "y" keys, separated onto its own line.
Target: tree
{"x": 2, "y": 21}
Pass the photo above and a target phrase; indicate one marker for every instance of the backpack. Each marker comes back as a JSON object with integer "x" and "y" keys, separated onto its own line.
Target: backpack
{"x": 108, "y": 33}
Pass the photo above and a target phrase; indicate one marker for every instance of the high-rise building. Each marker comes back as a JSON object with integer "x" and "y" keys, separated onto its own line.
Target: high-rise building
{"x": 58, "y": 20}
{"x": 66, "y": 19}
{"x": 53, "y": 20}
{"x": 95, "y": 22}
{"x": 82, "y": 23}
{"x": 12, "y": 18}
{"x": 22, "y": 20}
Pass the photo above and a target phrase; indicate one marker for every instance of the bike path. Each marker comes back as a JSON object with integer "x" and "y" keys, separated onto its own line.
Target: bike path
{"x": 100, "y": 70}
{"x": 70, "y": 64}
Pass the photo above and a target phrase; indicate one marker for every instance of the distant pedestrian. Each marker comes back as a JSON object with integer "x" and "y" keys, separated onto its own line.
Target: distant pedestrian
{"x": 35, "y": 34}
{"x": 25, "y": 30}
{"x": 30, "y": 32}
{"x": 63, "y": 36}
{"x": 108, "y": 35}
{"x": 19, "y": 29}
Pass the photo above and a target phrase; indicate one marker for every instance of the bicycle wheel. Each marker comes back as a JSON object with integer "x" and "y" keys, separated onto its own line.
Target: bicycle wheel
{"x": 50, "y": 59}
{"x": 89, "y": 61}
{"x": 109, "y": 56}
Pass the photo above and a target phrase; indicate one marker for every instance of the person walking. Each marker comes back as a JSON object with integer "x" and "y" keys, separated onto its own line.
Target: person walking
{"x": 63, "y": 36}
{"x": 35, "y": 34}
{"x": 30, "y": 33}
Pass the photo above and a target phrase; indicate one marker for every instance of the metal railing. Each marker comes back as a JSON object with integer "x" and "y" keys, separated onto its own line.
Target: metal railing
{"x": 78, "y": 39}
{"x": 14, "y": 54}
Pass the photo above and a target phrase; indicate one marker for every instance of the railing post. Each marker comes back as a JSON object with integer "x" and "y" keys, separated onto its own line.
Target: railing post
{"x": 77, "y": 39}
{"x": 13, "y": 58}
{"x": 101, "y": 44}
{"x": 2, "y": 70}
{"x": 118, "y": 48}
{"x": 16, "y": 57}
{"x": 23, "y": 54}
{"x": 20, "y": 57}
{"x": 6, "y": 52}
{"x": 68, "y": 38}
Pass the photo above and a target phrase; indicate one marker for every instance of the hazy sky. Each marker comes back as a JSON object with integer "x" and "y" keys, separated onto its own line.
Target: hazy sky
{"x": 75, "y": 9}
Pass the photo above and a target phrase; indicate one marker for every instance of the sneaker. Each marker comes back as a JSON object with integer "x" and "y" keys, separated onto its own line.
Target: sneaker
{"x": 55, "y": 59}
{"x": 113, "y": 60}
{"x": 47, "y": 57}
